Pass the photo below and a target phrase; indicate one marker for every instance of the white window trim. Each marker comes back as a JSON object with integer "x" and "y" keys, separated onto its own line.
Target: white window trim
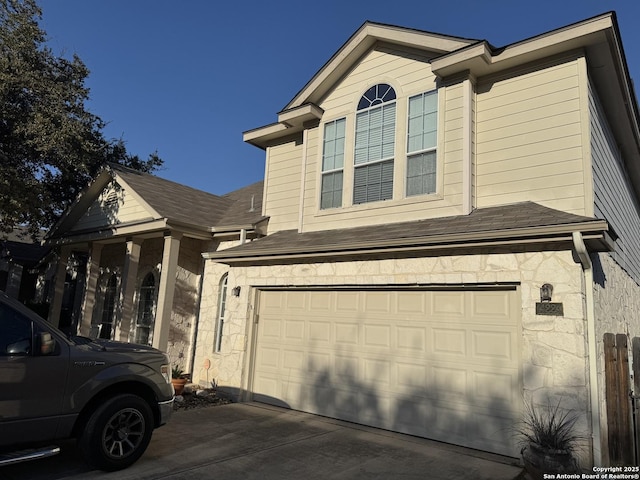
{"x": 96, "y": 325}
{"x": 400, "y": 197}
{"x": 437, "y": 149}
{"x": 134, "y": 323}
{"x": 333, "y": 170}
{"x": 220, "y": 312}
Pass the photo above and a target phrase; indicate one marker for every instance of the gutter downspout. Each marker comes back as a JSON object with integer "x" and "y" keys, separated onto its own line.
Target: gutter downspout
{"x": 585, "y": 261}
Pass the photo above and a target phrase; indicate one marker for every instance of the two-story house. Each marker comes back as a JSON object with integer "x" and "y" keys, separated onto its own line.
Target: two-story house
{"x": 421, "y": 190}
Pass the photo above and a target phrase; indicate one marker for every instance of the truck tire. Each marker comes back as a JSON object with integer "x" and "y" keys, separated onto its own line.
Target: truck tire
{"x": 117, "y": 432}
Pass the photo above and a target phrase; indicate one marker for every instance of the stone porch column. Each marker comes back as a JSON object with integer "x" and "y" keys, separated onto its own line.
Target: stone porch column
{"x": 166, "y": 290}
{"x": 89, "y": 301}
{"x": 58, "y": 289}
{"x": 129, "y": 276}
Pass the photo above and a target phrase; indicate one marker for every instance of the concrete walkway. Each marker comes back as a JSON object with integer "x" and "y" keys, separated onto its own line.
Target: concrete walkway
{"x": 257, "y": 441}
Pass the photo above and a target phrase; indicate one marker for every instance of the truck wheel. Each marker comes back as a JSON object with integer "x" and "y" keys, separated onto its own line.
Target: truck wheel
{"x": 117, "y": 433}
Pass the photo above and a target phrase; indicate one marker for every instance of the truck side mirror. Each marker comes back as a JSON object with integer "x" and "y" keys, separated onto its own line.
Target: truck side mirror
{"x": 46, "y": 343}
{"x": 21, "y": 347}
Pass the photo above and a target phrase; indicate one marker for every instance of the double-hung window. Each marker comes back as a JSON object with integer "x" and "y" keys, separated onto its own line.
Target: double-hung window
{"x": 422, "y": 137}
{"x": 374, "y": 145}
{"x": 332, "y": 164}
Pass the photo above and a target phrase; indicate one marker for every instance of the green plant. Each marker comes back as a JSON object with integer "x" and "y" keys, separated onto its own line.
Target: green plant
{"x": 176, "y": 372}
{"x": 549, "y": 427}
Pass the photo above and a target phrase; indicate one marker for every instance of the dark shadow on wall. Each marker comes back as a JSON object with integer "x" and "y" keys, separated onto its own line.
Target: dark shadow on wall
{"x": 435, "y": 411}
{"x": 599, "y": 277}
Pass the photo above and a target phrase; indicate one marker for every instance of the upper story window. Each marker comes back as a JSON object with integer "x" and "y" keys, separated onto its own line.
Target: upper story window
{"x": 332, "y": 164}
{"x": 374, "y": 145}
{"x": 422, "y": 139}
{"x": 373, "y": 162}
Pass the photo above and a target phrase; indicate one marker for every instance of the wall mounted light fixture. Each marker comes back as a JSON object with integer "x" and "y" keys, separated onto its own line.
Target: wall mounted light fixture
{"x": 546, "y": 291}
{"x": 235, "y": 291}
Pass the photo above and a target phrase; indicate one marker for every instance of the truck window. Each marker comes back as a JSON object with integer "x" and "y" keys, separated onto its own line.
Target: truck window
{"x": 15, "y": 332}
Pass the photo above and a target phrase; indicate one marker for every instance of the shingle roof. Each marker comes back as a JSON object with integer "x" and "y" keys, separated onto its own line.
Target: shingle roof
{"x": 20, "y": 248}
{"x": 190, "y": 206}
{"x": 246, "y": 207}
{"x": 525, "y": 218}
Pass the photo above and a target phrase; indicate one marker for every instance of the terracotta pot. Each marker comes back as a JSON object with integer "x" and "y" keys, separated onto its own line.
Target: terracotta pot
{"x": 538, "y": 461}
{"x": 178, "y": 385}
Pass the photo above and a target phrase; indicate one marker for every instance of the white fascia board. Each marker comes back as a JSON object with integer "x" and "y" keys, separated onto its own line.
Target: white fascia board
{"x": 137, "y": 229}
{"x": 480, "y": 60}
{"x": 595, "y": 229}
{"x": 261, "y": 136}
{"x": 81, "y": 204}
{"x": 296, "y": 117}
{"x": 363, "y": 40}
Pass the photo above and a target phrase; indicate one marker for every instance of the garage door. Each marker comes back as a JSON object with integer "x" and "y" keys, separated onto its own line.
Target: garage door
{"x": 441, "y": 364}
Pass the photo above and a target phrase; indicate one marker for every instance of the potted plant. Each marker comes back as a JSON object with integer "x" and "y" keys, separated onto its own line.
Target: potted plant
{"x": 548, "y": 439}
{"x": 178, "y": 379}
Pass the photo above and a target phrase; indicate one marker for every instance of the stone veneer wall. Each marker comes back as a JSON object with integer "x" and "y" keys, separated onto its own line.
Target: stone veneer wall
{"x": 206, "y": 368}
{"x": 554, "y": 349}
{"x": 184, "y": 313}
{"x": 617, "y": 310}
{"x": 187, "y": 292}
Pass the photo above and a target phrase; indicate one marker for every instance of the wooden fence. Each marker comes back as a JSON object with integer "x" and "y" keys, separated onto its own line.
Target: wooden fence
{"x": 622, "y": 412}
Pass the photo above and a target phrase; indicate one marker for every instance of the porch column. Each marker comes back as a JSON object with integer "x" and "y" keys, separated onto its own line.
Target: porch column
{"x": 14, "y": 279}
{"x": 166, "y": 290}
{"x": 58, "y": 289}
{"x": 89, "y": 301}
{"x": 129, "y": 276}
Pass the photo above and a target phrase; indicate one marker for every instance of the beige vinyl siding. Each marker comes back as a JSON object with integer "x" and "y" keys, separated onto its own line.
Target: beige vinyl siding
{"x": 453, "y": 142}
{"x": 409, "y": 73}
{"x": 313, "y": 169}
{"x": 529, "y": 139}
{"x": 282, "y": 186}
{"x": 113, "y": 206}
{"x": 613, "y": 195}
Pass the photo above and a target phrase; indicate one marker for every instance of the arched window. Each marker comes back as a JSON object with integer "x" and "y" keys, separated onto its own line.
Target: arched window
{"x": 145, "y": 318}
{"x": 222, "y": 301}
{"x": 108, "y": 307}
{"x": 375, "y": 145}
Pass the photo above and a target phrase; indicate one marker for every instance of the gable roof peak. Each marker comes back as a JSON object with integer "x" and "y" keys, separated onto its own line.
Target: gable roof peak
{"x": 364, "y": 39}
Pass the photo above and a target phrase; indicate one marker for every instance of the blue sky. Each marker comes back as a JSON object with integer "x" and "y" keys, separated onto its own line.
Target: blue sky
{"x": 187, "y": 77}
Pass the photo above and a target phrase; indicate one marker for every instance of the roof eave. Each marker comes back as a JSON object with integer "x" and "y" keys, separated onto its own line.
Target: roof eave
{"x": 599, "y": 38}
{"x": 480, "y": 59}
{"x": 138, "y": 228}
{"x": 595, "y": 233}
{"x": 362, "y": 40}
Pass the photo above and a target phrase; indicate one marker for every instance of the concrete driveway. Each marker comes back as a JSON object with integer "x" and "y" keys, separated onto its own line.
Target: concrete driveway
{"x": 257, "y": 441}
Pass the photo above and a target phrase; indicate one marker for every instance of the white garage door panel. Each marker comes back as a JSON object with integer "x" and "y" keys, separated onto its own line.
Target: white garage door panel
{"x": 438, "y": 364}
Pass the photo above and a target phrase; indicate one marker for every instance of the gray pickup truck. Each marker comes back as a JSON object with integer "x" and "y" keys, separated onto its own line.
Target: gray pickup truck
{"x": 108, "y": 395}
